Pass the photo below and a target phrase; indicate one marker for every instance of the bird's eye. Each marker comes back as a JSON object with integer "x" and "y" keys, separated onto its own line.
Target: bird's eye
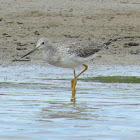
{"x": 43, "y": 43}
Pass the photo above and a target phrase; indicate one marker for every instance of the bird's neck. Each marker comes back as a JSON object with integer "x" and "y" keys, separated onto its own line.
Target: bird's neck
{"x": 49, "y": 50}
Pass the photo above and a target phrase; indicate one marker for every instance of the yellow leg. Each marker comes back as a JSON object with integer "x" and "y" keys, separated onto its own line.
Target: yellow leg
{"x": 86, "y": 67}
{"x": 73, "y": 85}
{"x": 74, "y": 82}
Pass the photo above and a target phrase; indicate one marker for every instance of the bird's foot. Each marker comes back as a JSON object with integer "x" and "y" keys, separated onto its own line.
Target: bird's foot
{"x": 73, "y": 100}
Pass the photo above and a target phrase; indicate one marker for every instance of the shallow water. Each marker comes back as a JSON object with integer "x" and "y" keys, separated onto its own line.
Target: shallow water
{"x": 35, "y": 103}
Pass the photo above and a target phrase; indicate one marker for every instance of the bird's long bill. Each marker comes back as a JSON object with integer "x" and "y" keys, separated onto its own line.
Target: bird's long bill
{"x": 29, "y": 52}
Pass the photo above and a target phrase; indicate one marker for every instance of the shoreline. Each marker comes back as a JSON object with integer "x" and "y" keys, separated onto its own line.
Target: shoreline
{"x": 25, "y": 22}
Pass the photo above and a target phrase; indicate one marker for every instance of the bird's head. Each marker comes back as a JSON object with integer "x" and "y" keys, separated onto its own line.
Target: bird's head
{"x": 42, "y": 43}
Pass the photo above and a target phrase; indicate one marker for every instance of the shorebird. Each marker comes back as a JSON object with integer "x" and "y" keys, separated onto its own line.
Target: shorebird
{"x": 68, "y": 55}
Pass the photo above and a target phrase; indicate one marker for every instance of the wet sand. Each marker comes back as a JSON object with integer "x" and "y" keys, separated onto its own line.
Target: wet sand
{"x": 22, "y": 23}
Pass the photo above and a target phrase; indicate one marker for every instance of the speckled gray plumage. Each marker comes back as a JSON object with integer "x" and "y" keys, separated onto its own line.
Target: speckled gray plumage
{"x": 68, "y": 54}
{"x": 84, "y": 50}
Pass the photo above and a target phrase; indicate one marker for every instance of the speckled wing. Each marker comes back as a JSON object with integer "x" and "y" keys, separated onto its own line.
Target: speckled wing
{"x": 85, "y": 50}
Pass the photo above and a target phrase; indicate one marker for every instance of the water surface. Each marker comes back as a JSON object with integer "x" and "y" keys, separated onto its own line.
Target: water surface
{"x": 35, "y": 103}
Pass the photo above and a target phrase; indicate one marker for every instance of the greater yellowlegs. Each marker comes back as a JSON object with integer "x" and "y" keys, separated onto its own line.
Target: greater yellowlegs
{"x": 68, "y": 55}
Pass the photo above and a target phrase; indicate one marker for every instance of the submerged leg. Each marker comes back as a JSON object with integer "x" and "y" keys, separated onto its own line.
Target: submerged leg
{"x": 74, "y": 82}
{"x": 73, "y": 85}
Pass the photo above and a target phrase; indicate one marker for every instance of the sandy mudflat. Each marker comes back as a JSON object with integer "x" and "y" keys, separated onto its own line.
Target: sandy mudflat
{"x": 22, "y": 23}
